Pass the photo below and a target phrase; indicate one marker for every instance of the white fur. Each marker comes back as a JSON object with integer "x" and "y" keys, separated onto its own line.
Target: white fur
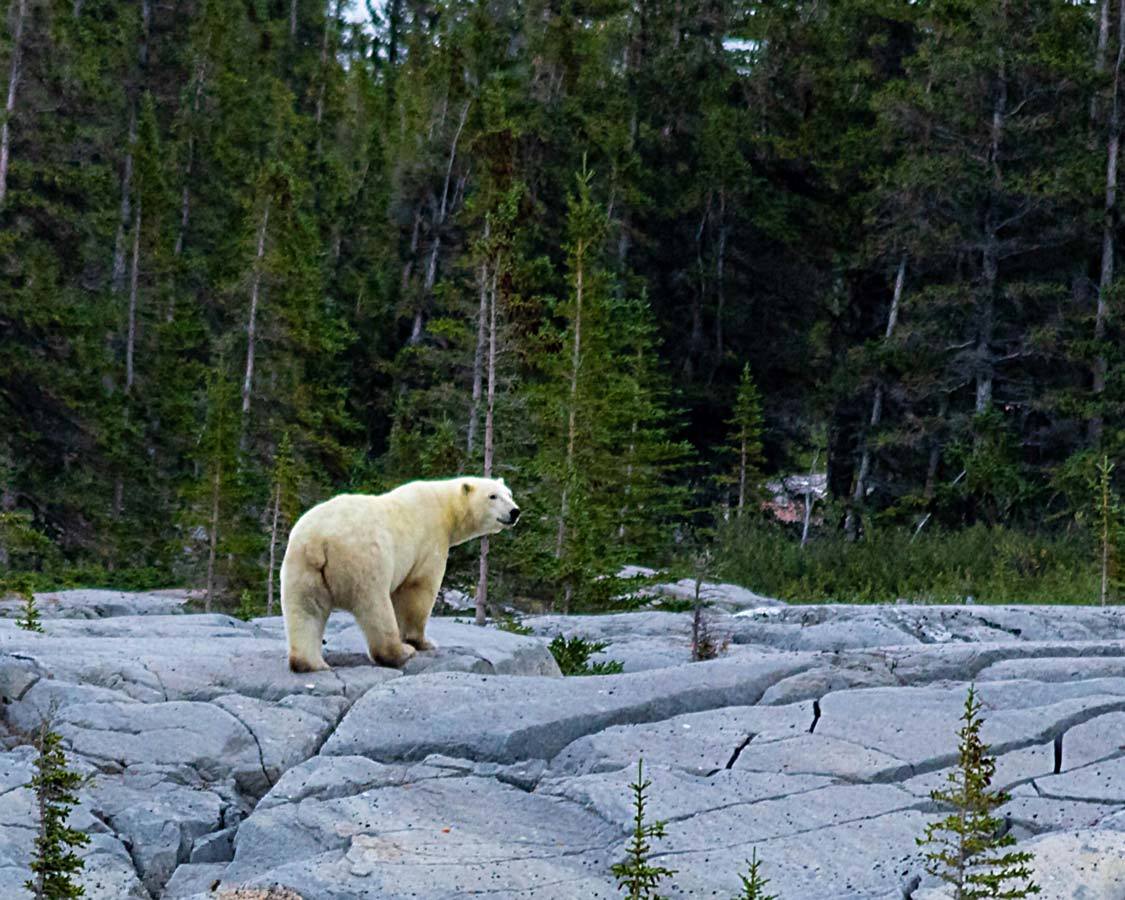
{"x": 382, "y": 558}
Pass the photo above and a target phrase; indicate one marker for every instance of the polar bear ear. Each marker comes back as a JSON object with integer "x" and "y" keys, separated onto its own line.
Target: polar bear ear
{"x": 501, "y": 480}
{"x": 466, "y": 488}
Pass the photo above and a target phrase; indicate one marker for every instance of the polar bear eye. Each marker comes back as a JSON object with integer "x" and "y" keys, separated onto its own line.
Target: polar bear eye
{"x": 491, "y": 496}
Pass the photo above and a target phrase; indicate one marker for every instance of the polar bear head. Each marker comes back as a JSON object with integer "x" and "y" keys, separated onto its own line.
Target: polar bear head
{"x": 488, "y": 506}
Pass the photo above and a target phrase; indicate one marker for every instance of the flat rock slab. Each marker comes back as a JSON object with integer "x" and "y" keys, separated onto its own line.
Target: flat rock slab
{"x": 440, "y": 837}
{"x": 184, "y": 722}
{"x": 814, "y": 741}
{"x": 1081, "y": 864}
{"x": 503, "y": 719}
{"x": 87, "y": 603}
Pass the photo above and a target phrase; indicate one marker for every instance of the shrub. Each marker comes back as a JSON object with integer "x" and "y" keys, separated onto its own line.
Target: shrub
{"x": 753, "y": 883}
{"x": 573, "y": 656}
{"x": 637, "y": 876}
{"x": 969, "y": 846}
{"x": 54, "y": 784}
{"x": 991, "y": 565}
{"x": 29, "y": 621}
{"x": 512, "y": 625}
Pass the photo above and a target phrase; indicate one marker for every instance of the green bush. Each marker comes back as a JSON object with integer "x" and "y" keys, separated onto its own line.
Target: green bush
{"x": 573, "y": 656}
{"x": 54, "y": 785}
{"x": 991, "y": 565}
{"x": 969, "y": 849}
{"x": 512, "y": 625}
{"x": 637, "y": 877}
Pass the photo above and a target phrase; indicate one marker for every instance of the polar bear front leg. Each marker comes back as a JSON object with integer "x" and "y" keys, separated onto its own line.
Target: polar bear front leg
{"x": 413, "y": 603}
{"x": 376, "y": 618}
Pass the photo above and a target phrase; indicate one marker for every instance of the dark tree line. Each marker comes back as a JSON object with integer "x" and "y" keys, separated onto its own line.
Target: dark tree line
{"x": 254, "y": 253}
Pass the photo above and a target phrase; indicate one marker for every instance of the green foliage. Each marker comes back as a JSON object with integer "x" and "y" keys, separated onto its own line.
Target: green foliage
{"x": 25, "y": 547}
{"x": 248, "y": 608}
{"x": 753, "y": 882}
{"x": 512, "y": 625}
{"x": 1107, "y": 527}
{"x": 744, "y": 447}
{"x": 969, "y": 848}
{"x": 637, "y": 877}
{"x": 753, "y": 202}
{"x": 573, "y": 656}
{"x": 990, "y": 565}
{"x": 55, "y": 862}
{"x": 29, "y": 621}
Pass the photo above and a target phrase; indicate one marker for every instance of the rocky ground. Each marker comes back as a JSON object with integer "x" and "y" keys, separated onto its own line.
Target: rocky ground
{"x": 814, "y": 740}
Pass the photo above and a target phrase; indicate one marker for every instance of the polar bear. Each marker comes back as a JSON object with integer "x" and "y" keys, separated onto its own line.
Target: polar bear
{"x": 382, "y": 558}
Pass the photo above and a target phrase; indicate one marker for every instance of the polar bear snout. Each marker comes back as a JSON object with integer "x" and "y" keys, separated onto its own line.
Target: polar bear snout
{"x": 513, "y": 514}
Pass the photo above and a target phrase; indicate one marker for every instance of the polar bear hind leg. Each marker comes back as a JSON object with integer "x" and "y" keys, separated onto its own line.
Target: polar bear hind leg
{"x": 305, "y": 603}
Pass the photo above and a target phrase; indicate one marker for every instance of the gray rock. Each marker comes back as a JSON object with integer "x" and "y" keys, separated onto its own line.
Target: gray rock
{"x": 504, "y": 719}
{"x": 817, "y": 682}
{"x": 863, "y": 835}
{"x": 815, "y": 740}
{"x": 919, "y": 725}
{"x": 191, "y": 879}
{"x": 701, "y": 743}
{"x": 1096, "y": 782}
{"x": 439, "y": 838}
{"x": 1070, "y": 865}
{"x": 329, "y": 777}
{"x": 159, "y": 820}
{"x": 107, "y": 872}
{"x": 17, "y": 675}
{"x": 87, "y": 603}
{"x": 216, "y": 847}
{"x": 201, "y": 736}
{"x": 1098, "y": 739}
{"x": 1031, "y": 815}
{"x": 284, "y": 735}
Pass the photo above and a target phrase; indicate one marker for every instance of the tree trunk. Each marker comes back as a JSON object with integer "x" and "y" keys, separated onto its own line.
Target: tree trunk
{"x": 10, "y": 103}
{"x": 7, "y": 494}
{"x": 292, "y": 18}
{"x": 1109, "y": 216}
{"x": 990, "y": 267}
{"x": 329, "y": 23}
{"x": 438, "y": 224}
{"x": 185, "y": 193}
{"x": 478, "y": 356}
{"x": 572, "y": 412}
{"x": 851, "y": 519}
{"x": 809, "y": 501}
{"x": 117, "y": 276}
{"x": 742, "y": 454}
{"x": 251, "y": 327}
{"x": 216, "y": 485}
{"x": 482, "y": 578}
{"x": 720, "y": 270}
{"x": 134, "y": 281}
{"x": 1100, "y": 55}
{"x": 117, "y": 273}
{"x": 273, "y": 546}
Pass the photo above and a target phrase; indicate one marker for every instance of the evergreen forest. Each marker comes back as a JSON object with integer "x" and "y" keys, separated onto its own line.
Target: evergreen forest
{"x": 641, "y": 258}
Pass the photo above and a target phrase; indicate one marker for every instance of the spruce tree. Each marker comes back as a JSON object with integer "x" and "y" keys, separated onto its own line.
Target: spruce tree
{"x": 1107, "y": 524}
{"x": 744, "y": 445}
{"x": 969, "y": 848}
{"x": 55, "y": 862}
{"x": 637, "y": 877}
{"x": 29, "y": 620}
{"x": 753, "y": 882}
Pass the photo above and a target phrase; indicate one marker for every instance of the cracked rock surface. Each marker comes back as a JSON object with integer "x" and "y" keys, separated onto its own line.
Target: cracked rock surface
{"x": 815, "y": 740}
